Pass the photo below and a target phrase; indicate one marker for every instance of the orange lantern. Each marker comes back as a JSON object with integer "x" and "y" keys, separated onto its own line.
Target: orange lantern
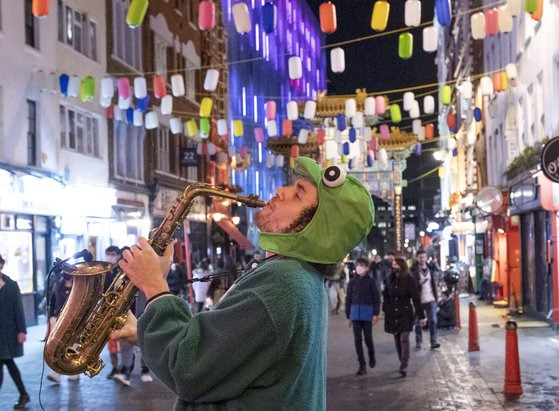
{"x": 537, "y": 15}
{"x": 40, "y": 8}
{"x": 327, "y": 13}
{"x": 429, "y": 131}
{"x": 294, "y": 151}
{"x": 451, "y": 120}
{"x": 286, "y": 127}
{"x": 497, "y": 82}
{"x": 159, "y": 88}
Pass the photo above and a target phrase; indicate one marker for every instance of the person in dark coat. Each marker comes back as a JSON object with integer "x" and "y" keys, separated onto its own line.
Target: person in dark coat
{"x": 362, "y": 306}
{"x": 445, "y": 314}
{"x": 12, "y": 333}
{"x": 400, "y": 292}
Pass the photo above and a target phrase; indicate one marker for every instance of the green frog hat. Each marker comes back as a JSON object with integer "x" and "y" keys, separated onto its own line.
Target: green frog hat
{"x": 344, "y": 216}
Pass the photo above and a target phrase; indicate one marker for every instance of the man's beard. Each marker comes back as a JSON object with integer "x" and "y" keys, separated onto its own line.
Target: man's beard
{"x": 299, "y": 224}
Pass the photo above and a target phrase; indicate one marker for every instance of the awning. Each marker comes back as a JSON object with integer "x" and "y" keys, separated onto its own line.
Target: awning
{"x": 235, "y": 234}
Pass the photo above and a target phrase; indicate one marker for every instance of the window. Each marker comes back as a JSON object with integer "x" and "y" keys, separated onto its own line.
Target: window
{"x": 160, "y": 55}
{"x": 77, "y": 31}
{"x": 79, "y": 131}
{"x": 190, "y": 79}
{"x": 31, "y": 133}
{"x": 31, "y": 26}
{"x": 127, "y": 42}
{"x": 128, "y": 148}
{"x": 163, "y": 150}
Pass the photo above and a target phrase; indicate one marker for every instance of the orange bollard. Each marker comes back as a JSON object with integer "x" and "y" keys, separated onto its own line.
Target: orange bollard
{"x": 457, "y": 311}
{"x": 513, "y": 384}
{"x": 473, "y": 335}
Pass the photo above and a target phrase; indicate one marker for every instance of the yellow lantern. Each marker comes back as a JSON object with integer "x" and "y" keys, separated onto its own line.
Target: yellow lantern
{"x": 379, "y": 20}
{"x": 191, "y": 128}
{"x": 206, "y": 107}
{"x": 238, "y": 128}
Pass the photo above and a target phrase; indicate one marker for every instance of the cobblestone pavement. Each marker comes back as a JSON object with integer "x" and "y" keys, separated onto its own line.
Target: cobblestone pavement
{"x": 448, "y": 378}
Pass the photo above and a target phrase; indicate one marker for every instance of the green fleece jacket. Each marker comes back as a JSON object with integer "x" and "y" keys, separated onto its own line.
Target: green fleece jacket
{"x": 262, "y": 347}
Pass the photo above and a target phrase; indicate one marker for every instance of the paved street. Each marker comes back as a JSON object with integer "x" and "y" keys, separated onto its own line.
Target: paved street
{"x": 445, "y": 379}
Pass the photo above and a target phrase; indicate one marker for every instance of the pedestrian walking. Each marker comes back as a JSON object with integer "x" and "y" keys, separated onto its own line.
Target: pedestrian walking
{"x": 400, "y": 293}
{"x": 362, "y": 308}
{"x": 424, "y": 276}
{"x": 12, "y": 333}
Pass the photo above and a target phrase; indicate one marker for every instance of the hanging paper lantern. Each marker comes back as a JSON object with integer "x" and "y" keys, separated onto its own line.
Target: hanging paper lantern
{"x": 204, "y": 127}
{"x": 352, "y": 135}
{"x": 206, "y": 107}
{"x": 303, "y": 136}
{"x": 504, "y": 81}
{"x": 341, "y": 122}
{"x": 477, "y": 114}
{"x": 505, "y": 20}
{"x": 159, "y": 87}
{"x": 357, "y": 120}
{"x": 337, "y": 60}
{"x": 346, "y": 148}
{"x": 379, "y": 19}
{"x": 136, "y": 13}
{"x": 138, "y": 118}
{"x": 73, "y": 86}
{"x": 337, "y": 136}
{"x": 497, "y": 82}
{"x": 428, "y": 104}
{"x": 123, "y": 87}
{"x": 105, "y": 102}
{"x": 373, "y": 144}
{"x": 151, "y": 120}
{"x": 327, "y": 12}
{"x": 222, "y": 127}
{"x": 310, "y": 109}
{"x": 269, "y": 17}
{"x": 451, "y": 121}
{"x": 280, "y": 160}
{"x": 414, "y": 111}
{"x": 538, "y": 13}
{"x": 416, "y": 126}
{"x": 446, "y": 95}
{"x": 124, "y": 103}
{"x": 206, "y": 15}
{"x": 429, "y": 131}
{"x": 292, "y": 110}
{"x": 514, "y": 7}
{"x": 421, "y": 135}
{"x": 53, "y": 83}
{"x": 143, "y": 104}
{"x": 409, "y": 98}
{"x": 320, "y": 136}
{"x": 466, "y": 90}
{"x": 87, "y": 89}
{"x": 231, "y": 151}
{"x": 40, "y": 8}
{"x": 238, "y": 130}
{"x": 176, "y": 125}
{"x": 211, "y": 80}
{"x": 259, "y": 134}
{"x": 477, "y": 21}
{"x": 429, "y": 39}
{"x": 129, "y": 116}
{"x": 140, "y": 87}
{"x": 412, "y": 14}
{"x": 512, "y": 73}
{"x": 350, "y": 107}
{"x": 294, "y": 152}
{"x": 270, "y": 109}
{"x": 405, "y": 45}
{"x": 367, "y": 134}
{"x": 167, "y": 105}
{"x": 443, "y": 11}
{"x": 270, "y": 160}
{"x": 486, "y": 86}
{"x": 200, "y": 149}
{"x": 417, "y": 150}
{"x": 191, "y": 128}
{"x": 119, "y": 116}
{"x": 295, "y": 67}
{"x": 107, "y": 88}
{"x": 286, "y": 127}
{"x": 380, "y": 105}
{"x": 40, "y": 80}
{"x": 370, "y": 106}
{"x": 110, "y": 112}
{"x": 241, "y": 17}
{"x": 395, "y": 113}
{"x": 383, "y": 157}
{"x": 272, "y": 128}
{"x": 469, "y": 117}
{"x": 177, "y": 85}
{"x": 491, "y": 22}
{"x": 384, "y": 132}
{"x": 211, "y": 149}
{"x": 531, "y": 6}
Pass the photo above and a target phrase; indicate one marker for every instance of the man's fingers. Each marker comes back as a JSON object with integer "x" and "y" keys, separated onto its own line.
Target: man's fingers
{"x": 170, "y": 250}
{"x": 143, "y": 242}
{"x": 127, "y": 255}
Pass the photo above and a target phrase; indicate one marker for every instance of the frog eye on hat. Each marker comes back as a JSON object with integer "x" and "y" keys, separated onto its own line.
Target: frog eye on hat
{"x": 334, "y": 176}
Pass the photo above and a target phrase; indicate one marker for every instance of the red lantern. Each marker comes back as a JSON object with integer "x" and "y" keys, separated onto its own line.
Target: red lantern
{"x": 327, "y": 13}
{"x": 159, "y": 87}
{"x": 286, "y": 127}
{"x": 429, "y": 131}
{"x": 110, "y": 112}
{"x": 451, "y": 120}
{"x": 491, "y": 22}
{"x": 320, "y": 136}
{"x": 40, "y": 8}
{"x": 294, "y": 151}
{"x": 206, "y": 15}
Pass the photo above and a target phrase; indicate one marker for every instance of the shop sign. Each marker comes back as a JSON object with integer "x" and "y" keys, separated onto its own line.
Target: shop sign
{"x": 189, "y": 157}
{"x": 550, "y": 160}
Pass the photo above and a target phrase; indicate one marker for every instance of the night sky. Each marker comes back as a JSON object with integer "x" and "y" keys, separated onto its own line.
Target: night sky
{"x": 374, "y": 65}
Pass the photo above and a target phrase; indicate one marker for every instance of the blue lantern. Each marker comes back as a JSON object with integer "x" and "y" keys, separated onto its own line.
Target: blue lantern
{"x": 477, "y": 114}
{"x": 64, "y": 80}
{"x": 143, "y": 104}
{"x": 443, "y": 10}
{"x": 369, "y": 160}
{"x": 346, "y": 148}
{"x": 350, "y": 164}
{"x": 269, "y": 17}
{"x": 341, "y": 122}
{"x": 418, "y": 149}
{"x": 130, "y": 115}
{"x": 352, "y": 135}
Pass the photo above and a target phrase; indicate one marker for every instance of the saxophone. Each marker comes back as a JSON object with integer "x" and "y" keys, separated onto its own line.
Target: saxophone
{"x": 90, "y": 314}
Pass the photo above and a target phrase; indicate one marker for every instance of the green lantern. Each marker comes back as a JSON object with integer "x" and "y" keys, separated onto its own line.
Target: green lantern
{"x": 205, "y": 126}
{"x": 531, "y": 6}
{"x": 136, "y": 12}
{"x": 395, "y": 113}
{"x": 446, "y": 94}
{"x": 87, "y": 89}
{"x": 405, "y": 45}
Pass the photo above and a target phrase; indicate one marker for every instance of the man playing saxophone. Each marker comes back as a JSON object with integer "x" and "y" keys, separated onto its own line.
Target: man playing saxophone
{"x": 267, "y": 335}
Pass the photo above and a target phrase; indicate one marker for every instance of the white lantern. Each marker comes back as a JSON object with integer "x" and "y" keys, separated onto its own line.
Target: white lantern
{"x": 367, "y": 134}
{"x": 105, "y": 101}
{"x": 211, "y": 80}
{"x": 177, "y": 85}
{"x": 124, "y": 103}
{"x": 416, "y": 126}
{"x": 140, "y": 87}
{"x": 466, "y": 90}
{"x": 151, "y": 120}
{"x": 292, "y": 111}
{"x": 414, "y": 110}
{"x": 211, "y": 149}
{"x": 40, "y": 80}
{"x": 222, "y": 127}
{"x": 370, "y": 106}
{"x": 357, "y": 120}
{"x": 412, "y": 13}
{"x": 280, "y": 160}
{"x": 383, "y": 157}
{"x": 107, "y": 87}
{"x": 270, "y": 160}
{"x": 241, "y": 17}
{"x": 505, "y": 19}
{"x": 272, "y": 128}
{"x": 477, "y": 21}
{"x": 429, "y": 39}
{"x": 337, "y": 136}
{"x": 337, "y": 60}
{"x": 512, "y": 73}
{"x": 350, "y": 107}
{"x": 138, "y": 118}
{"x": 167, "y": 105}
{"x": 310, "y": 109}
{"x": 409, "y": 98}
{"x": 119, "y": 116}
{"x": 73, "y": 86}
{"x": 515, "y": 7}
{"x": 231, "y": 151}
{"x": 176, "y": 125}
{"x": 303, "y": 136}
{"x": 53, "y": 83}
{"x": 295, "y": 67}
{"x": 428, "y": 104}
{"x": 486, "y": 86}
{"x": 421, "y": 134}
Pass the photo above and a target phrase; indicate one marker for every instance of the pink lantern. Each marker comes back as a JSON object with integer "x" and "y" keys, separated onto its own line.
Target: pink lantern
{"x": 243, "y": 151}
{"x": 259, "y": 134}
{"x": 270, "y": 110}
{"x": 374, "y": 144}
{"x": 123, "y": 87}
{"x": 380, "y": 105}
{"x": 110, "y": 112}
{"x": 206, "y": 15}
{"x": 384, "y": 132}
{"x": 491, "y": 22}
{"x": 320, "y": 135}
{"x": 159, "y": 87}
{"x": 294, "y": 151}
